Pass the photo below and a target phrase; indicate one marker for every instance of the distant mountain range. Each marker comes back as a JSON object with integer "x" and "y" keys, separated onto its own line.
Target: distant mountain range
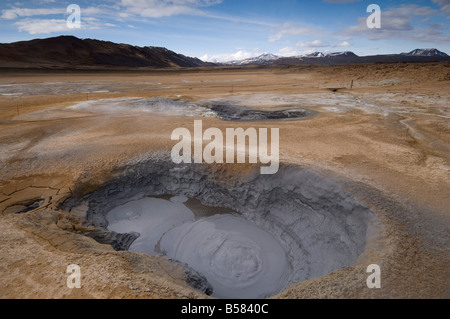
{"x": 268, "y": 58}
{"x": 346, "y": 57}
{"x": 259, "y": 60}
{"x": 68, "y": 52}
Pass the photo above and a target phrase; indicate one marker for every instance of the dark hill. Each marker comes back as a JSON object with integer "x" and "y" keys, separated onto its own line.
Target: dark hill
{"x": 70, "y": 52}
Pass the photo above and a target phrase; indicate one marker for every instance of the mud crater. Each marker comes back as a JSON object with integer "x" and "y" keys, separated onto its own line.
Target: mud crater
{"x": 319, "y": 227}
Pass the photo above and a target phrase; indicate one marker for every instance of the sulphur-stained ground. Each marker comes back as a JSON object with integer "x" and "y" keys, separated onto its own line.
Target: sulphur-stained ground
{"x": 382, "y": 129}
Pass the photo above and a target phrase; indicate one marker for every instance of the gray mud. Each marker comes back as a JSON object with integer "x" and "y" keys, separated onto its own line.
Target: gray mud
{"x": 236, "y": 113}
{"x": 321, "y": 227}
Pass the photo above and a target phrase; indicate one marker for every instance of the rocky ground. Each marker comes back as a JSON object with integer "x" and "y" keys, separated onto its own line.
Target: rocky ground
{"x": 385, "y": 140}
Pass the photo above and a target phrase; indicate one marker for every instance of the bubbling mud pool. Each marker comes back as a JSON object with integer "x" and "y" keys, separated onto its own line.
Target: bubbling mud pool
{"x": 252, "y": 236}
{"x": 238, "y": 258}
{"x": 224, "y": 110}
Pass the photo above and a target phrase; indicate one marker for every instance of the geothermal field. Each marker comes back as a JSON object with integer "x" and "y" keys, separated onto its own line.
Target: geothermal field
{"x": 87, "y": 178}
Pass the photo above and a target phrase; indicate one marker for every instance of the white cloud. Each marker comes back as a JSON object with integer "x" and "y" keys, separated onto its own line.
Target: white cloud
{"x": 237, "y": 20}
{"x": 165, "y": 8}
{"x": 288, "y": 29}
{"x": 106, "y": 10}
{"x": 42, "y": 26}
{"x": 397, "y": 23}
{"x": 313, "y": 44}
{"x": 153, "y": 3}
{"x": 396, "y": 19}
{"x": 11, "y": 14}
{"x": 288, "y": 51}
{"x": 343, "y": 44}
{"x": 444, "y": 4}
{"x": 46, "y": 26}
{"x": 292, "y": 52}
{"x": 160, "y": 12}
{"x": 122, "y": 8}
{"x": 226, "y": 57}
{"x": 15, "y": 13}
{"x": 341, "y": 1}
{"x": 28, "y": 21}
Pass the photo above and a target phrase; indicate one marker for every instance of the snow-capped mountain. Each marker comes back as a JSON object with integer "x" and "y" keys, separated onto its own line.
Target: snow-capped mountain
{"x": 345, "y": 57}
{"x": 262, "y": 59}
{"x": 341, "y": 54}
{"x": 268, "y": 58}
{"x": 314, "y": 55}
{"x": 333, "y": 54}
{"x": 426, "y": 52}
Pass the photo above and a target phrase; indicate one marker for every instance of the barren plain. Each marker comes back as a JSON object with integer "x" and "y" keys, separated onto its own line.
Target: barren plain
{"x": 381, "y": 132}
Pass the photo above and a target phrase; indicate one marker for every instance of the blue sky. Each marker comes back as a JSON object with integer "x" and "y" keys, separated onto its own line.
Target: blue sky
{"x": 223, "y": 30}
